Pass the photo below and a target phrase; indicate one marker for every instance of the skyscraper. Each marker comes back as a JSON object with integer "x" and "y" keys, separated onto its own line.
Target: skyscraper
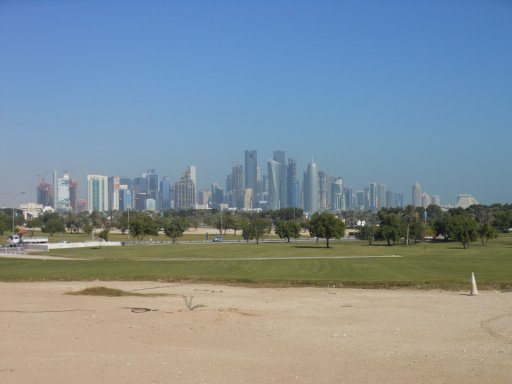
{"x": 292, "y": 185}
{"x": 323, "y": 191}
{"x": 114, "y": 183}
{"x": 381, "y": 196}
{"x": 184, "y": 192}
{"x": 63, "y": 193}
{"x": 373, "y": 196}
{"x": 280, "y": 157}
{"x": 165, "y": 194}
{"x": 337, "y": 196}
{"x": 237, "y": 186}
{"x": 311, "y": 188}
{"x": 274, "y": 170}
{"x": 416, "y": 195}
{"x": 45, "y": 194}
{"x": 251, "y": 167}
{"x": 97, "y": 193}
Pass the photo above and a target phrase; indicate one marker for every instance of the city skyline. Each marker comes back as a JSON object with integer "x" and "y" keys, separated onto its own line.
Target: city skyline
{"x": 377, "y": 92}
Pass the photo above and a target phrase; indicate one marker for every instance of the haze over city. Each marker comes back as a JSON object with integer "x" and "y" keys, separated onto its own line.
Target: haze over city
{"x": 390, "y": 92}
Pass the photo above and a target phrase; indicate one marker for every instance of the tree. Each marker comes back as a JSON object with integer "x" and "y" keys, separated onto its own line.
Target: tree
{"x": 175, "y": 228}
{"x": 143, "y": 225}
{"x": 366, "y": 232}
{"x": 410, "y": 217}
{"x": 288, "y": 229}
{"x": 390, "y": 228}
{"x": 463, "y": 229}
{"x": 326, "y": 225}
{"x": 255, "y": 228}
{"x": 486, "y": 233}
{"x": 52, "y": 223}
{"x": 104, "y": 234}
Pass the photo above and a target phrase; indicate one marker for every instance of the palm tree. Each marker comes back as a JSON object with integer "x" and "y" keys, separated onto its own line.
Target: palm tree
{"x": 410, "y": 216}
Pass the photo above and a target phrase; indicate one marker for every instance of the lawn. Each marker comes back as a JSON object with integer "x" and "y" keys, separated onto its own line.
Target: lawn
{"x": 431, "y": 265}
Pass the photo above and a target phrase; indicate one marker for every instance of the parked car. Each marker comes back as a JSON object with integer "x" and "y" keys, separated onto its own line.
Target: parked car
{"x": 217, "y": 239}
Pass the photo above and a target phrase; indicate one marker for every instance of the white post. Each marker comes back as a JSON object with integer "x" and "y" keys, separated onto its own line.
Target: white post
{"x": 474, "y": 289}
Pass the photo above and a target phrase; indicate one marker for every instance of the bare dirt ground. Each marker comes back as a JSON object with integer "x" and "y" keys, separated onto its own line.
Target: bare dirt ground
{"x": 224, "y": 334}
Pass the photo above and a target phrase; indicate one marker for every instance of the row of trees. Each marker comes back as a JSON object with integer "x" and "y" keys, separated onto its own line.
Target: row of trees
{"x": 413, "y": 224}
{"x": 406, "y": 225}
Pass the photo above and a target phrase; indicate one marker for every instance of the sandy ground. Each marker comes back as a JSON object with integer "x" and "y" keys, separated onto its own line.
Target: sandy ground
{"x": 224, "y": 334}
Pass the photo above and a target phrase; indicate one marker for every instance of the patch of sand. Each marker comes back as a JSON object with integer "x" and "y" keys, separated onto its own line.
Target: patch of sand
{"x": 222, "y": 334}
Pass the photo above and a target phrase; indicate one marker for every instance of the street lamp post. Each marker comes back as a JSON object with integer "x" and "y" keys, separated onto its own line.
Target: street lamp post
{"x": 13, "y": 209}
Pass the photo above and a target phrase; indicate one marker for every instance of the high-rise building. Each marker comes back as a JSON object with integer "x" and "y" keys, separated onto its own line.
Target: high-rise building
{"x": 45, "y": 194}
{"x": 73, "y": 195}
{"x": 338, "y": 202}
{"x": 114, "y": 183}
{"x": 373, "y": 202}
{"x": 152, "y": 185}
{"x": 217, "y": 196}
{"x": 399, "y": 200}
{"x": 280, "y": 157}
{"x": 192, "y": 170}
{"x": 381, "y": 196}
{"x": 360, "y": 200}
{"x": 165, "y": 194}
{"x": 274, "y": 171}
{"x": 390, "y": 199}
{"x": 416, "y": 195}
{"x": 311, "y": 188}
{"x": 97, "y": 193}
{"x": 292, "y": 185}
{"x": 237, "y": 186}
{"x": 436, "y": 200}
{"x": 349, "y": 198}
{"x": 248, "y": 198}
{"x": 63, "y": 196}
{"x": 251, "y": 169}
{"x": 425, "y": 200}
{"x": 323, "y": 191}
{"x": 184, "y": 192}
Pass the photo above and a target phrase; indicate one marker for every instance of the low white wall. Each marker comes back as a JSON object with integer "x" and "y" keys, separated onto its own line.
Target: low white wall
{"x": 86, "y": 244}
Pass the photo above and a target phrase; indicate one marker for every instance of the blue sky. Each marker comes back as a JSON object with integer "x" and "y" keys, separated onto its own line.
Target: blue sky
{"x": 376, "y": 91}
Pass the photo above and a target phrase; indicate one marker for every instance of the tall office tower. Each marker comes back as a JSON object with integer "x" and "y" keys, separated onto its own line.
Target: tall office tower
{"x": 292, "y": 185}
{"x": 399, "y": 200}
{"x": 338, "y": 202}
{"x": 416, "y": 195}
{"x": 436, "y": 200}
{"x": 323, "y": 190}
{"x": 390, "y": 199}
{"x": 359, "y": 200}
{"x": 311, "y": 188}
{"x": 229, "y": 190}
{"x": 367, "y": 198}
{"x": 203, "y": 197}
{"x": 63, "y": 195}
{"x": 192, "y": 170}
{"x": 381, "y": 196}
{"x": 237, "y": 185}
{"x": 373, "y": 202}
{"x": 81, "y": 205}
{"x": 126, "y": 198}
{"x": 152, "y": 185}
{"x": 55, "y": 189}
{"x": 217, "y": 196}
{"x": 274, "y": 171}
{"x": 184, "y": 192}
{"x": 251, "y": 169}
{"x": 114, "y": 183}
{"x": 140, "y": 193}
{"x": 165, "y": 194}
{"x": 280, "y": 157}
{"x": 349, "y": 198}
{"x": 248, "y": 198}
{"x": 123, "y": 197}
{"x": 45, "y": 194}
{"x": 97, "y": 193}
{"x": 73, "y": 195}
{"x": 425, "y": 200}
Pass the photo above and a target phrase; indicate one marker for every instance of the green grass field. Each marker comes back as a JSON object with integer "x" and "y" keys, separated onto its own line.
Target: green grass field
{"x": 432, "y": 265}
